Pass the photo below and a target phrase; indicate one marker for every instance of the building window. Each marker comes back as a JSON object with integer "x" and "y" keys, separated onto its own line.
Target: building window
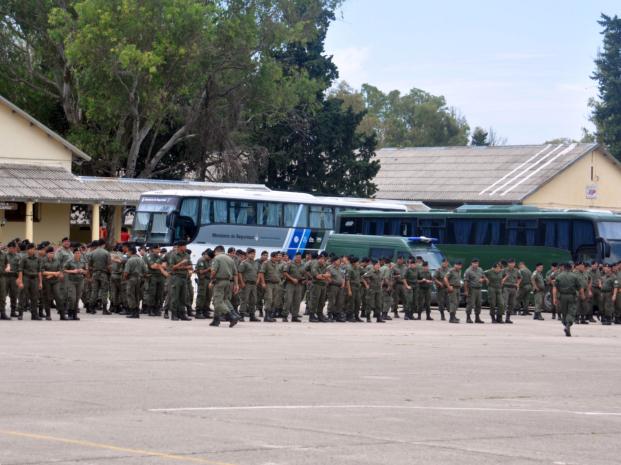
{"x": 19, "y": 214}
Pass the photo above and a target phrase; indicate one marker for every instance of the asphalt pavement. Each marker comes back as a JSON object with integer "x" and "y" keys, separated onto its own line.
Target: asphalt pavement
{"x": 108, "y": 390}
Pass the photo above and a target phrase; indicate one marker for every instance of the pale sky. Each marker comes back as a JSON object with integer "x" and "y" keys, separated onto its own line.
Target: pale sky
{"x": 521, "y": 67}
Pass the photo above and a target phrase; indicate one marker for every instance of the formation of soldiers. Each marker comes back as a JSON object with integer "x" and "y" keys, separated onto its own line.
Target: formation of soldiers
{"x": 237, "y": 284}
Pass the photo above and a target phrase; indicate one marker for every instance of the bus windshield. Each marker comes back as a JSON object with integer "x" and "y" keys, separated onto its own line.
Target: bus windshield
{"x": 610, "y": 230}
{"x": 150, "y": 220}
{"x": 431, "y": 255}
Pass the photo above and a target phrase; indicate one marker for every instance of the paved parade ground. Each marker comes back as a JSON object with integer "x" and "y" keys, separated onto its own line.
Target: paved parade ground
{"x": 107, "y": 390}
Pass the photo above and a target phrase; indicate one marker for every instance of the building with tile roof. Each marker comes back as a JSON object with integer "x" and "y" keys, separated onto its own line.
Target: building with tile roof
{"x": 572, "y": 176}
{"x": 38, "y": 188}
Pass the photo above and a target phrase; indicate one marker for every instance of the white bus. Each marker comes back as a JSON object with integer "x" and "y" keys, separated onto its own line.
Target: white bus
{"x": 241, "y": 218}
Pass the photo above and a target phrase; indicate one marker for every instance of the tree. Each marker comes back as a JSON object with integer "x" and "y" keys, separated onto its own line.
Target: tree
{"x": 317, "y": 148}
{"x": 163, "y": 87}
{"x": 479, "y": 137}
{"x": 606, "y": 113}
{"x": 416, "y": 119}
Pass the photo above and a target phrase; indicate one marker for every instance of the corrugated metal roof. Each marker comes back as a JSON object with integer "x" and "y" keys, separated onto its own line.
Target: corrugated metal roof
{"x": 502, "y": 174}
{"x": 20, "y": 183}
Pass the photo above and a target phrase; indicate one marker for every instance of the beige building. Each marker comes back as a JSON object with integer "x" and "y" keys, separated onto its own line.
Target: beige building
{"x": 569, "y": 176}
{"x": 38, "y": 189}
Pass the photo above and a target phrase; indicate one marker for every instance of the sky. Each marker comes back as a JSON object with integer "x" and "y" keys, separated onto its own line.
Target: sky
{"x": 521, "y": 67}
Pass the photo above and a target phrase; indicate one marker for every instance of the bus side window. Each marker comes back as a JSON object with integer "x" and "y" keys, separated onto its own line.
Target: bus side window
{"x": 189, "y": 208}
{"x": 206, "y": 211}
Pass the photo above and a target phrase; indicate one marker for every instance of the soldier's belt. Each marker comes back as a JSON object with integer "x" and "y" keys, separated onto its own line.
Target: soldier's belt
{"x": 250, "y": 282}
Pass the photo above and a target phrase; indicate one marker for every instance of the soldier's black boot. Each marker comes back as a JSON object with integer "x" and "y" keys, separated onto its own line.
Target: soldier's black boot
{"x": 357, "y": 318}
{"x": 296, "y": 319}
{"x": 508, "y": 319}
{"x": 468, "y": 319}
{"x": 74, "y": 316}
{"x": 183, "y": 317}
{"x": 215, "y": 322}
{"x": 132, "y": 314}
{"x": 453, "y": 318}
{"x": 200, "y": 315}
{"x": 268, "y": 317}
{"x": 442, "y": 317}
{"x": 428, "y": 315}
{"x": 406, "y": 315}
{"x": 395, "y": 313}
{"x": 253, "y": 317}
{"x": 368, "y": 318}
{"x": 34, "y": 315}
{"x": 233, "y": 319}
{"x": 48, "y": 315}
{"x": 379, "y": 318}
{"x": 63, "y": 316}
{"x": 478, "y": 319}
{"x": 540, "y": 317}
{"x": 174, "y": 315}
{"x": 191, "y": 313}
{"x": 554, "y": 315}
{"x": 3, "y": 315}
{"x": 567, "y": 330}
{"x": 492, "y": 315}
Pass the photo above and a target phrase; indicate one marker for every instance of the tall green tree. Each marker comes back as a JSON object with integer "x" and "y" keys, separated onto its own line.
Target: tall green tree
{"x": 317, "y": 148}
{"x": 607, "y": 108}
{"x": 479, "y": 137}
{"x": 159, "y": 87}
{"x": 416, "y": 119}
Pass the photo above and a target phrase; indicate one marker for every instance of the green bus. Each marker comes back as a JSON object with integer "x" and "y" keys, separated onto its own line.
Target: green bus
{"x": 492, "y": 232}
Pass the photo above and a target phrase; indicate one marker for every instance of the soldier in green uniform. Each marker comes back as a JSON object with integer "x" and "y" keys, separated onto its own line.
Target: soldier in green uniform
{"x": 539, "y": 287}
{"x": 609, "y": 291}
{"x": 133, "y": 272}
{"x": 63, "y": 255}
{"x": 99, "y": 274}
{"x": 41, "y": 254}
{"x": 4, "y": 266}
{"x": 399, "y": 292}
{"x": 223, "y": 273}
{"x": 75, "y": 271}
{"x": 372, "y": 280}
{"x": 354, "y": 277}
{"x": 269, "y": 279}
{"x": 117, "y": 264}
{"x": 336, "y": 291}
{"x": 320, "y": 277}
{"x": 595, "y": 302}
{"x": 550, "y": 277}
{"x": 10, "y": 276}
{"x": 452, "y": 281}
{"x": 494, "y": 293}
{"x": 425, "y": 283}
{"x": 179, "y": 264}
{"x": 511, "y": 282}
{"x": 203, "y": 274}
{"x": 474, "y": 279}
{"x": 388, "y": 283}
{"x": 524, "y": 291}
{"x": 52, "y": 273}
{"x": 617, "y": 319}
{"x": 29, "y": 280}
{"x": 441, "y": 292}
{"x": 583, "y": 303}
{"x": 156, "y": 281}
{"x": 566, "y": 287}
{"x": 248, "y": 274}
{"x": 295, "y": 284}
{"x": 260, "y": 291}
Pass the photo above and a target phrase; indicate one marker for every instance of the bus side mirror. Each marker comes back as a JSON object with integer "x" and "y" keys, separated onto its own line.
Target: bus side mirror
{"x": 604, "y": 247}
{"x": 171, "y": 219}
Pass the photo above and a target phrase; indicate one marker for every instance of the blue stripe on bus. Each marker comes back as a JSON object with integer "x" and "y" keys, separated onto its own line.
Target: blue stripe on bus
{"x": 305, "y": 236}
